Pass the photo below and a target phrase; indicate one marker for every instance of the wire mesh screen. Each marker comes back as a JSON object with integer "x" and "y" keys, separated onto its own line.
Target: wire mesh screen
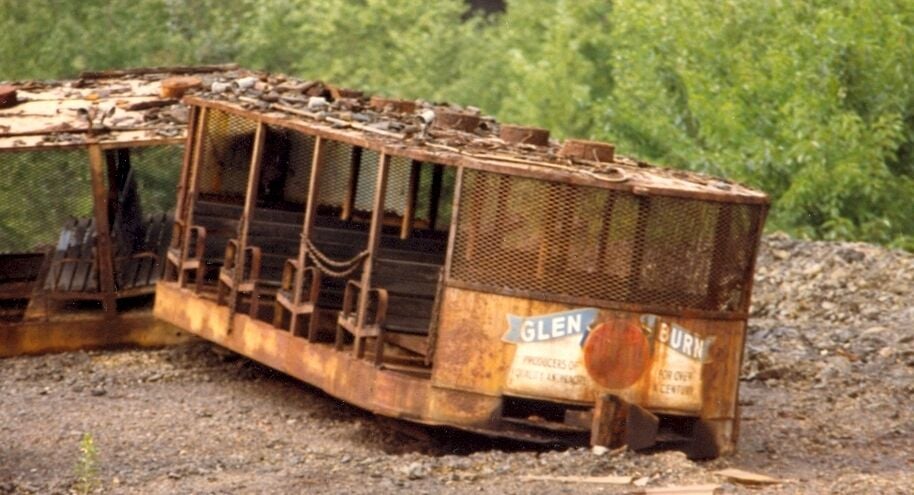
{"x": 301, "y": 153}
{"x": 368, "y": 177}
{"x": 228, "y": 142}
{"x": 398, "y": 179}
{"x": 335, "y": 171}
{"x": 157, "y": 170}
{"x": 40, "y": 191}
{"x": 547, "y": 239}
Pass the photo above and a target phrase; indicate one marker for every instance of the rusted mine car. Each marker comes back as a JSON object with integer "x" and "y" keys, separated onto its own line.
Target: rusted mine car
{"x": 424, "y": 262}
{"x": 87, "y": 175}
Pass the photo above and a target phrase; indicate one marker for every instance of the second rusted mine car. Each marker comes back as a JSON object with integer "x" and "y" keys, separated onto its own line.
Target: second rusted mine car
{"x": 427, "y": 263}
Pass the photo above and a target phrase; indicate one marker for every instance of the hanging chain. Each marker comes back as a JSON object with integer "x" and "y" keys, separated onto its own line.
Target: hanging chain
{"x": 333, "y": 268}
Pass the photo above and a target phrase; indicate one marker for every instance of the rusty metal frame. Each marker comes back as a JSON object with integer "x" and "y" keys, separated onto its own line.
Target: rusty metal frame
{"x": 104, "y": 254}
{"x": 589, "y": 301}
{"x": 82, "y": 332}
{"x": 441, "y": 399}
{"x": 250, "y": 200}
{"x": 317, "y": 162}
{"x": 374, "y": 241}
{"x": 193, "y": 192}
{"x": 355, "y": 167}
{"x": 455, "y": 221}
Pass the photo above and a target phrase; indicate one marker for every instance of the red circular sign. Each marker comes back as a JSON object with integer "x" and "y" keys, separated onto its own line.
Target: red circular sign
{"x": 616, "y": 353}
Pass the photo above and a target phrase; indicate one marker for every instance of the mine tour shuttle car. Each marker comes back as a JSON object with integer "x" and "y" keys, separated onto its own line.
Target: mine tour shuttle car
{"x": 426, "y": 263}
{"x": 88, "y": 168}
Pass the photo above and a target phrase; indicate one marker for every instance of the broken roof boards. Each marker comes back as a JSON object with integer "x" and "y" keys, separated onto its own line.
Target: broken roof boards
{"x": 112, "y": 108}
{"x": 447, "y": 134}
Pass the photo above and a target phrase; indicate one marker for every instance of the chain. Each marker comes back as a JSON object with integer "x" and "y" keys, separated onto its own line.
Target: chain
{"x": 329, "y": 267}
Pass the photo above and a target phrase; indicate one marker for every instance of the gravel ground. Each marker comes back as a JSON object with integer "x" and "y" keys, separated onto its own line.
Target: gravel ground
{"x": 827, "y": 401}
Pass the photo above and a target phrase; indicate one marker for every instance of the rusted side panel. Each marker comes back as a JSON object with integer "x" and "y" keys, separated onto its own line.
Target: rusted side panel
{"x": 464, "y": 409}
{"x": 338, "y": 373}
{"x": 471, "y": 354}
{"x": 81, "y": 332}
{"x": 671, "y": 365}
{"x": 468, "y": 393}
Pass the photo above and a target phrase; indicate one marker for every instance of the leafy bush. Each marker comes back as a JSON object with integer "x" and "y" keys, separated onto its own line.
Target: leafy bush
{"x": 810, "y": 100}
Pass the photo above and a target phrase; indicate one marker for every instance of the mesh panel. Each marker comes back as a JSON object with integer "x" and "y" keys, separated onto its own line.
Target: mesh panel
{"x": 557, "y": 239}
{"x": 301, "y": 152}
{"x": 334, "y": 173}
{"x": 397, "y": 185}
{"x": 226, "y": 155}
{"x": 39, "y": 192}
{"x": 157, "y": 170}
{"x": 368, "y": 177}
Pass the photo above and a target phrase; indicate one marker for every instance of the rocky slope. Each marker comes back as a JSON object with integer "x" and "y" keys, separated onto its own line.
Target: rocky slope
{"x": 826, "y": 400}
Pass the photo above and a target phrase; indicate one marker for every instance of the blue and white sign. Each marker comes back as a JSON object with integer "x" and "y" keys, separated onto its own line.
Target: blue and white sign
{"x": 547, "y": 358}
{"x": 542, "y": 328}
{"x": 676, "y": 337}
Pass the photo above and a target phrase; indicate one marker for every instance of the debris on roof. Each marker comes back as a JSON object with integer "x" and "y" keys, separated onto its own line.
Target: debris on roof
{"x": 447, "y": 130}
{"x": 124, "y": 106}
{"x": 112, "y": 106}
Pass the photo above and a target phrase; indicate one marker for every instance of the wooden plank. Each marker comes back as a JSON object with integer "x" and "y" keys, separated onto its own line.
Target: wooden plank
{"x": 279, "y": 216}
{"x": 74, "y": 272}
{"x": 60, "y": 251}
{"x": 264, "y": 229}
{"x": 218, "y": 209}
{"x": 89, "y": 277}
{"x": 410, "y": 307}
{"x": 747, "y": 477}
{"x": 70, "y": 239}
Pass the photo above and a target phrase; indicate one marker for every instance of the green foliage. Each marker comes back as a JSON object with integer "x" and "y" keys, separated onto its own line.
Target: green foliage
{"x": 86, "y": 469}
{"x": 809, "y": 100}
{"x": 395, "y": 46}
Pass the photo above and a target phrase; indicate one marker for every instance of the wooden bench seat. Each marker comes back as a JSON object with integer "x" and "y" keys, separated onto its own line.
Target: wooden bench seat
{"x": 137, "y": 271}
{"x": 72, "y": 266}
{"x": 403, "y": 297}
{"x": 137, "y": 265}
{"x": 407, "y": 269}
